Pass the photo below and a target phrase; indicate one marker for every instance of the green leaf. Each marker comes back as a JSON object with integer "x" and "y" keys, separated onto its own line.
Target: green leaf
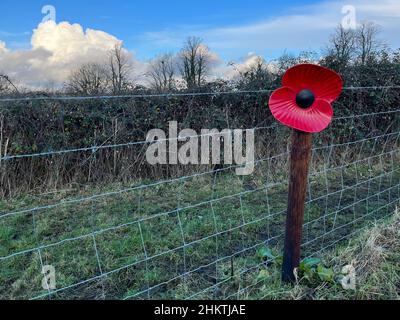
{"x": 265, "y": 253}
{"x": 263, "y": 275}
{"x": 325, "y": 274}
{"x": 279, "y": 260}
{"x": 309, "y": 263}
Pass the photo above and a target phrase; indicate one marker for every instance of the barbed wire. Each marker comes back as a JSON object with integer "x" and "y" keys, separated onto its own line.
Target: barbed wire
{"x": 214, "y": 171}
{"x": 94, "y": 149}
{"x": 171, "y": 95}
{"x": 133, "y": 96}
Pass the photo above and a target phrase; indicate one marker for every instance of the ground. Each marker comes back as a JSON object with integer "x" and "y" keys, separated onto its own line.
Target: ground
{"x": 375, "y": 255}
{"x": 211, "y": 236}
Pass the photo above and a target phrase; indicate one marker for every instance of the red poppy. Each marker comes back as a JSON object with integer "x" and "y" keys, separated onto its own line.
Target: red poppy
{"x": 304, "y": 101}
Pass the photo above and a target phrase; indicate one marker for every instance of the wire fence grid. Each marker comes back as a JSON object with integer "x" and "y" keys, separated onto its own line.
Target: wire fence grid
{"x": 196, "y": 235}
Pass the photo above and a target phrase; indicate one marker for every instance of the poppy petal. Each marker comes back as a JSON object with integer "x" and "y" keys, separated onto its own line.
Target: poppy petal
{"x": 283, "y": 106}
{"x": 317, "y": 117}
{"x": 282, "y": 103}
{"x": 323, "y": 82}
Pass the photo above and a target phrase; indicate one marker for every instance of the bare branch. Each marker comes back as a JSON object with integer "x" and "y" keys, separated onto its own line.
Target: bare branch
{"x": 162, "y": 73}
{"x": 194, "y": 62}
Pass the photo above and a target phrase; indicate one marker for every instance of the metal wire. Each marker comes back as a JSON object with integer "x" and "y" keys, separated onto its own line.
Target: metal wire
{"x": 170, "y": 95}
{"x": 351, "y": 182}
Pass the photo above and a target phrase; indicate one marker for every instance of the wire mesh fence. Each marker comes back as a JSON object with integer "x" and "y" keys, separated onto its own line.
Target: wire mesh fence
{"x": 175, "y": 232}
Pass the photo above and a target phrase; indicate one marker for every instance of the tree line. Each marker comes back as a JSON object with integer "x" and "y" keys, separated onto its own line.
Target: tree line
{"x": 166, "y": 73}
{"x": 46, "y": 125}
{"x": 357, "y": 54}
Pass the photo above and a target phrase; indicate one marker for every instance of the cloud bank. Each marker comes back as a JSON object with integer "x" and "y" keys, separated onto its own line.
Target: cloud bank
{"x": 302, "y": 28}
{"x": 56, "y": 49}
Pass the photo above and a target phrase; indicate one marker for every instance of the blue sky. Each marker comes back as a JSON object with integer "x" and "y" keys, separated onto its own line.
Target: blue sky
{"x": 138, "y": 22}
{"x": 85, "y": 30}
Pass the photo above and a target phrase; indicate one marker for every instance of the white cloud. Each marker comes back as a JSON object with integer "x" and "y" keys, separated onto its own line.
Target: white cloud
{"x": 56, "y": 49}
{"x": 69, "y": 42}
{"x": 252, "y": 60}
{"x": 3, "y": 48}
{"x": 301, "y": 28}
{"x": 233, "y": 69}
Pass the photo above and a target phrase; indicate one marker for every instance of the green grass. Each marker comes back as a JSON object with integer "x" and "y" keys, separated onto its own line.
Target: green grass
{"x": 86, "y": 239}
{"x": 374, "y": 253}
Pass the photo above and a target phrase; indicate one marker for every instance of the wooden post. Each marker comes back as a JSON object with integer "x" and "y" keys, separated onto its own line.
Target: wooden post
{"x": 299, "y": 164}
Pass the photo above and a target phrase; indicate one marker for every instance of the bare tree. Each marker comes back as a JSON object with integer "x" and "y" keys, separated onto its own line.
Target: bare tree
{"x": 194, "y": 62}
{"x": 254, "y": 76}
{"x": 120, "y": 67}
{"x": 341, "y": 47}
{"x": 288, "y": 60}
{"x": 6, "y": 84}
{"x": 162, "y": 73}
{"x": 89, "y": 79}
{"x": 367, "y": 42}
{"x": 96, "y": 78}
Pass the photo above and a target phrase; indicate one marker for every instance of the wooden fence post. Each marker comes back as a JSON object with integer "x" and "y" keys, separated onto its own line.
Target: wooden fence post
{"x": 299, "y": 165}
{"x": 303, "y": 103}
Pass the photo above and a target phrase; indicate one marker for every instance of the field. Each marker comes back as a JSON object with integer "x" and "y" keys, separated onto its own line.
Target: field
{"x": 203, "y": 236}
{"x": 123, "y": 141}
{"x": 78, "y": 195}
{"x": 374, "y": 254}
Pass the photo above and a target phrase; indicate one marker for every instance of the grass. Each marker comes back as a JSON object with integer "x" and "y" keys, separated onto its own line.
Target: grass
{"x": 140, "y": 240}
{"x": 374, "y": 254}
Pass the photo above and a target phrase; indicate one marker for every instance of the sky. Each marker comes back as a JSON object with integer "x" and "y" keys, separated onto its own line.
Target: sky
{"x": 34, "y": 52}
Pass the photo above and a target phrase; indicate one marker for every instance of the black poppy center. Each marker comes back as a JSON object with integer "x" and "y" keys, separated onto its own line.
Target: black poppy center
{"x": 305, "y": 98}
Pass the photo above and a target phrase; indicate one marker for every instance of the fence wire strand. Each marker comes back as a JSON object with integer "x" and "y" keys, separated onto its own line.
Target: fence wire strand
{"x": 193, "y": 236}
